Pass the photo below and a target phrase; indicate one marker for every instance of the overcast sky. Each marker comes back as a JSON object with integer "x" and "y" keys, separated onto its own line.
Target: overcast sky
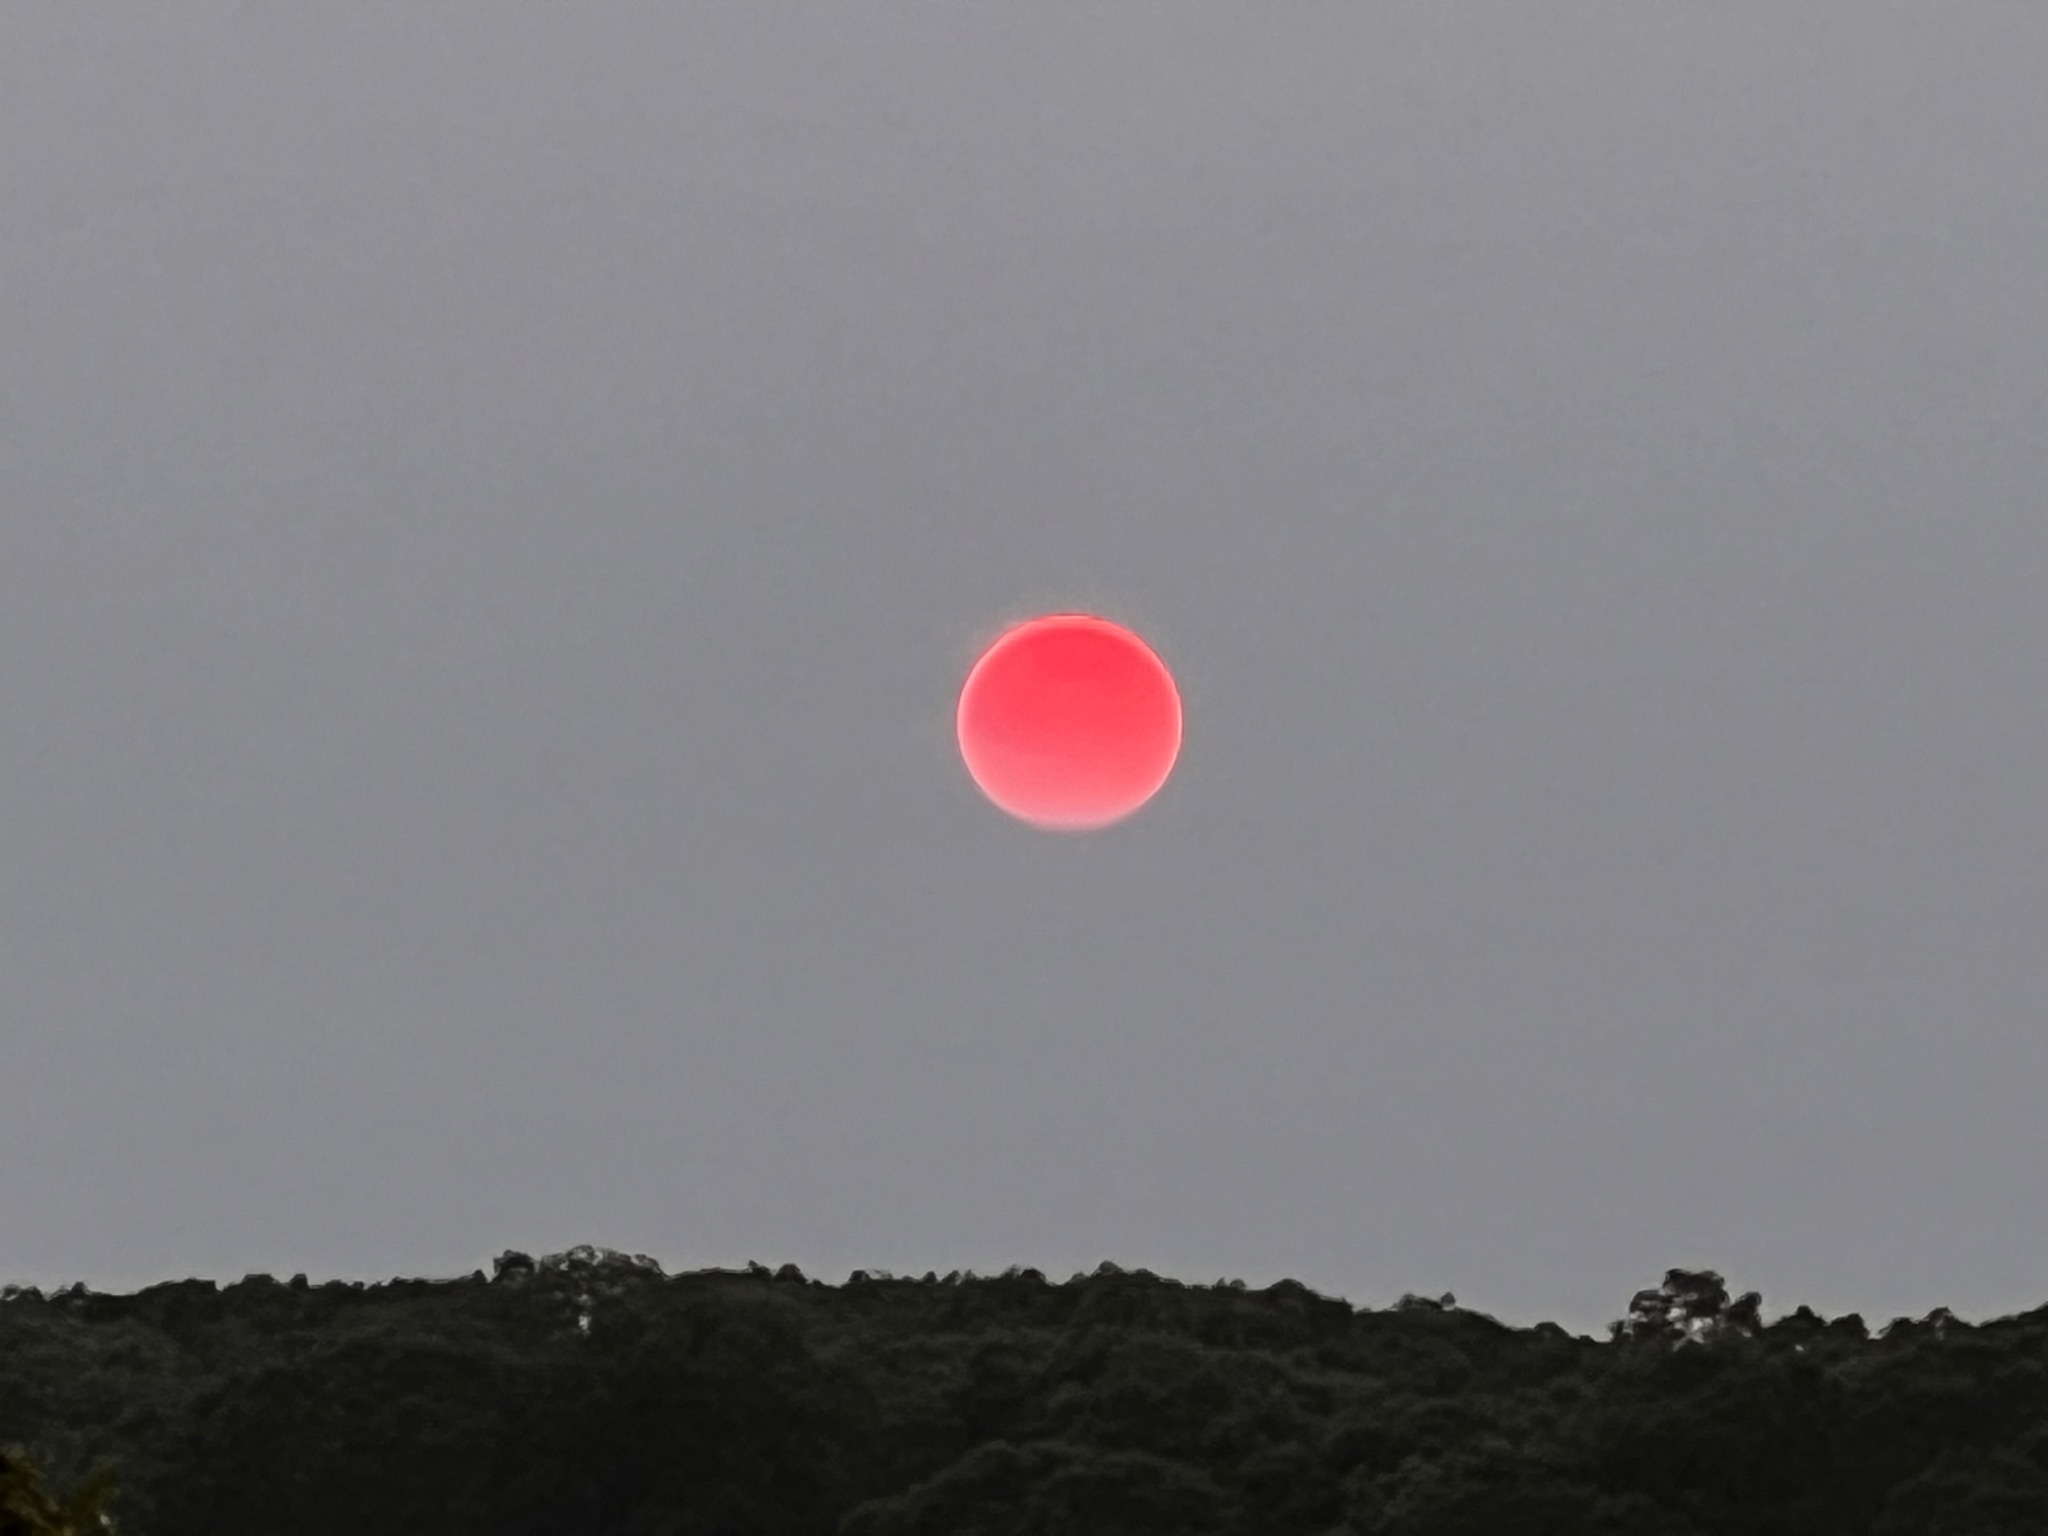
{"x": 497, "y": 501}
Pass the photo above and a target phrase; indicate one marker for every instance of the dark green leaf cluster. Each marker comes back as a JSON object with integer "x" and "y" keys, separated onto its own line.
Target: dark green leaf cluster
{"x": 590, "y": 1392}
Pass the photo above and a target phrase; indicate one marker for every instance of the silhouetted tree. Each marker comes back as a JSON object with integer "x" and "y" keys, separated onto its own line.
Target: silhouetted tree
{"x": 1689, "y": 1306}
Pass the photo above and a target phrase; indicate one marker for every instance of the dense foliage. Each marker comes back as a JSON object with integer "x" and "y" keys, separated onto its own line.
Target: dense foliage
{"x": 589, "y": 1392}
{"x": 28, "y": 1508}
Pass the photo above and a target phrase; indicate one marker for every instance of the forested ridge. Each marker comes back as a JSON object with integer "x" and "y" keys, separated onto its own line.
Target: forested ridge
{"x": 590, "y": 1393}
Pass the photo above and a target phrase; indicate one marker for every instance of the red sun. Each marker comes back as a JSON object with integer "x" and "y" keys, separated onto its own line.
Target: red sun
{"x": 1069, "y": 722}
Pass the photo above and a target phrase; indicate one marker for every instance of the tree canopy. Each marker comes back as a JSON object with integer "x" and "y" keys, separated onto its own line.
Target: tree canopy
{"x": 589, "y": 1391}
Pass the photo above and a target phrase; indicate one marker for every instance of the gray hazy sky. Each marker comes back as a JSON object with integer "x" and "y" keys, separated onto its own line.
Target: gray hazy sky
{"x": 497, "y": 501}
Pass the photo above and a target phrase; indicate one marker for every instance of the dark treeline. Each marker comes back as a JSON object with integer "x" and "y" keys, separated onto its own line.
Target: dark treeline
{"x": 589, "y": 1393}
